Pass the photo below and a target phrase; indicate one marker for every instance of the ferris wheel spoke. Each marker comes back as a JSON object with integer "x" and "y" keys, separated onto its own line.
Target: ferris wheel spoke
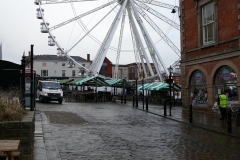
{"x": 98, "y": 60}
{"x": 159, "y": 4}
{"x": 159, "y": 15}
{"x": 159, "y": 31}
{"x": 82, "y": 15}
{"x": 61, "y": 1}
{"x": 119, "y": 44}
{"x": 152, "y": 48}
{"x": 138, "y": 43}
{"x": 91, "y": 29}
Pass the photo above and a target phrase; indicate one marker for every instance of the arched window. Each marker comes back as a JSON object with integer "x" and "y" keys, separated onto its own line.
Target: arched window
{"x": 225, "y": 80}
{"x": 198, "y": 89}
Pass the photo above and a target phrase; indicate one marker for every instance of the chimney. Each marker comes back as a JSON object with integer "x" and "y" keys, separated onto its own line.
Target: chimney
{"x": 88, "y": 57}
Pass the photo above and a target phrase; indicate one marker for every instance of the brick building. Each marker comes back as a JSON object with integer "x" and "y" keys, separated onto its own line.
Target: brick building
{"x": 210, "y": 40}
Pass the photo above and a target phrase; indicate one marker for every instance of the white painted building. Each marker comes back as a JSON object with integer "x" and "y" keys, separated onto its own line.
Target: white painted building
{"x": 54, "y": 66}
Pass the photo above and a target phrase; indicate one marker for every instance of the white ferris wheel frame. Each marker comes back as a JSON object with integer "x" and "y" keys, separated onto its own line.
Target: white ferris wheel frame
{"x": 134, "y": 10}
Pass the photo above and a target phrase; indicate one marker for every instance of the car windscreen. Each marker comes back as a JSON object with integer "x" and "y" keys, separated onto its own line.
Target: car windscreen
{"x": 51, "y": 85}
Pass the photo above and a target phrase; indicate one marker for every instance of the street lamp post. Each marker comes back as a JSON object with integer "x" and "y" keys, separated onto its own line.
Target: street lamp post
{"x": 170, "y": 81}
{"x": 136, "y": 78}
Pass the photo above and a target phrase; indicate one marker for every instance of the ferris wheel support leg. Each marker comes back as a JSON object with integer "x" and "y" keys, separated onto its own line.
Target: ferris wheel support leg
{"x": 148, "y": 40}
{"x": 98, "y": 60}
{"x": 139, "y": 42}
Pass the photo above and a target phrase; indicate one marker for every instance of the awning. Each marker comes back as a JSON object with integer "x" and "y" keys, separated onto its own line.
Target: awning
{"x": 112, "y": 81}
{"x": 89, "y": 81}
{"x": 82, "y": 81}
{"x": 145, "y": 85}
{"x": 150, "y": 85}
{"x": 160, "y": 86}
{"x": 118, "y": 83}
{"x": 74, "y": 81}
{"x": 65, "y": 81}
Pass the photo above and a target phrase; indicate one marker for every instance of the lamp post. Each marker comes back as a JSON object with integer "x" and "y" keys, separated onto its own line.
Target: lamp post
{"x": 136, "y": 78}
{"x": 170, "y": 81}
{"x": 142, "y": 75}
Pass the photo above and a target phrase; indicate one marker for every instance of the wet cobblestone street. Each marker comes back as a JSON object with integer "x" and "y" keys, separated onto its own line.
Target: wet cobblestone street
{"x": 75, "y": 131}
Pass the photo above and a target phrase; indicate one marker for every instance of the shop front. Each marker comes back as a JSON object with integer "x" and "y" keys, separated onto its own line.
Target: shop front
{"x": 203, "y": 90}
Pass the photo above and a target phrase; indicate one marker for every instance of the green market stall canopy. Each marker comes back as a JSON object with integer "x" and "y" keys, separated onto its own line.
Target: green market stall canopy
{"x": 118, "y": 83}
{"x": 65, "y": 81}
{"x": 89, "y": 81}
{"x": 158, "y": 86}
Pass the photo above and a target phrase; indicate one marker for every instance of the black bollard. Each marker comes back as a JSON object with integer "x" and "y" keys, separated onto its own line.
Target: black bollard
{"x": 125, "y": 99}
{"x": 165, "y": 107}
{"x": 137, "y": 101}
{"x": 229, "y": 118}
{"x": 143, "y": 101}
{"x": 146, "y": 103}
{"x": 121, "y": 99}
{"x": 190, "y": 114}
{"x": 133, "y": 101}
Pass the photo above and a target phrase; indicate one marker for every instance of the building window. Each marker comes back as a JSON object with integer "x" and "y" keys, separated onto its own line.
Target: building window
{"x": 198, "y": 89}
{"x": 63, "y": 64}
{"x": 44, "y": 73}
{"x": 208, "y": 23}
{"x": 226, "y": 81}
{"x": 73, "y": 73}
{"x": 63, "y": 73}
{"x": 44, "y": 64}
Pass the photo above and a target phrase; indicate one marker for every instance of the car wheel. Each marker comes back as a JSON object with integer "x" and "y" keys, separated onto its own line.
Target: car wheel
{"x": 60, "y": 102}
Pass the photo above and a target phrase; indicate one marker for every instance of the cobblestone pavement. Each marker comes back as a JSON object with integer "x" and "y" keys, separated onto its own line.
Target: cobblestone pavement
{"x": 76, "y": 131}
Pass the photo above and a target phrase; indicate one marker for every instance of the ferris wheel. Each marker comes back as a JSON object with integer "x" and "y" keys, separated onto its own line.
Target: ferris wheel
{"x": 83, "y": 23}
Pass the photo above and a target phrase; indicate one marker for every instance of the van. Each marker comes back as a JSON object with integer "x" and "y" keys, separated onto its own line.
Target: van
{"x": 49, "y": 91}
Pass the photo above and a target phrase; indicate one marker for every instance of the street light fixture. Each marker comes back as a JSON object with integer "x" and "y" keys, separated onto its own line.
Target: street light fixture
{"x": 170, "y": 81}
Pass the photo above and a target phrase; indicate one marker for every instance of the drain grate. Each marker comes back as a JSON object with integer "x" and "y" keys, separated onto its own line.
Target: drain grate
{"x": 64, "y": 117}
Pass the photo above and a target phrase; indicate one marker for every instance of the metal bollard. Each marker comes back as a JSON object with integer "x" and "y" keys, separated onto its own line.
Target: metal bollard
{"x": 165, "y": 107}
{"x": 229, "y": 118}
{"x": 143, "y": 101}
{"x": 190, "y": 114}
{"x": 121, "y": 99}
{"x": 147, "y": 103}
{"x": 125, "y": 99}
{"x": 133, "y": 101}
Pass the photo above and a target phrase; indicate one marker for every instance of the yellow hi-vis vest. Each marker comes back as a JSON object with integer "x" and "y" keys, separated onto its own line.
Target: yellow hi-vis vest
{"x": 223, "y": 101}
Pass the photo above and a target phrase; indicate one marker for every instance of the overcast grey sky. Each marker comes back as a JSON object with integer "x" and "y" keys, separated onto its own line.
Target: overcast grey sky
{"x": 19, "y": 28}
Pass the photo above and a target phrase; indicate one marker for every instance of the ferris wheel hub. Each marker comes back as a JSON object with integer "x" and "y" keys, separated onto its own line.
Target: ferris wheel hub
{"x": 120, "y": 1}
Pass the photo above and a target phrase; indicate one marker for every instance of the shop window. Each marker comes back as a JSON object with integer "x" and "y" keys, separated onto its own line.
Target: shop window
{"x": 198, "y": 89}
{"x": 226, "y": 81}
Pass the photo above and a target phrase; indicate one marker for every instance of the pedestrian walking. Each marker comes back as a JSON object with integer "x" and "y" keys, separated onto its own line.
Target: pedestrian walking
{"x": 222, "y": 103}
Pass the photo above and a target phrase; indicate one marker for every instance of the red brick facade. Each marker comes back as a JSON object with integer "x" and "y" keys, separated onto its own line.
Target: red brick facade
{"x": 224, "y": 51}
